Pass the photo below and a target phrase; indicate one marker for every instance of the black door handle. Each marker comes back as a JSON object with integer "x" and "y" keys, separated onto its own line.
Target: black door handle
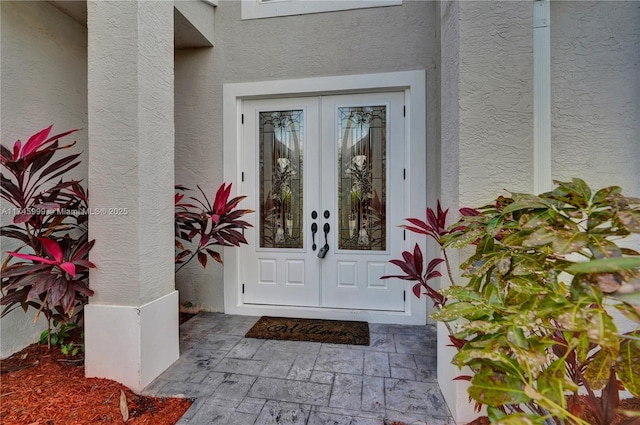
{"x": 323, "y": 251}
{"x": 314, "y": 230}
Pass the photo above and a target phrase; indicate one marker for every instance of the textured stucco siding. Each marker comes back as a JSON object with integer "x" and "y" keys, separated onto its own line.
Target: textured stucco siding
{"x": 595, "y": 75}
{"x": 496, "y": 99}
{"x": 486, "y": 111}
{"x": 43, "y": 54}
{"x": 384, "y": 39}
{"x": 131, "y": 137}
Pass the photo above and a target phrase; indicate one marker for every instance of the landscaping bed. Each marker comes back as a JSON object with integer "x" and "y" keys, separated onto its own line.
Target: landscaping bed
{"x": 39, "y": 386}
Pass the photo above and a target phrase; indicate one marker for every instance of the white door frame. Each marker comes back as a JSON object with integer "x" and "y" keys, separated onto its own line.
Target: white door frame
{"x": 413, "y": 83}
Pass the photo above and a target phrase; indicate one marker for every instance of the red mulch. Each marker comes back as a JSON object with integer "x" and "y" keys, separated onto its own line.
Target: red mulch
{"x": 44, "y": 387}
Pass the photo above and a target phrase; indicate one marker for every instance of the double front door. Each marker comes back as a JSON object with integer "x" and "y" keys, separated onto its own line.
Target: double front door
{"x": 325, "y": 176}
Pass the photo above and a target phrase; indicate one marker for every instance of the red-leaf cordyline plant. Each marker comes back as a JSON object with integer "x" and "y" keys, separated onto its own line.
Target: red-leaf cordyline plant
{"x": 534, "y": 320}
{"x": 204, "y": 224}
{"x": 49, "y": 224}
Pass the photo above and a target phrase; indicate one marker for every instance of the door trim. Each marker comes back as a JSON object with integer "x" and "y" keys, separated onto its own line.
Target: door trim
{"x": 413, "y": 83}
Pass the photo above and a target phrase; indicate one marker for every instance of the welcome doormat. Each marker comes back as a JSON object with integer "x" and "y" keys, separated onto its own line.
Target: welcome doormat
{"x": 316, "y": 330}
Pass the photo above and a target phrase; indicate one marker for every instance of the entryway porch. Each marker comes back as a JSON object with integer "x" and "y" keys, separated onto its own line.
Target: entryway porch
{"x": 238, "y": 380}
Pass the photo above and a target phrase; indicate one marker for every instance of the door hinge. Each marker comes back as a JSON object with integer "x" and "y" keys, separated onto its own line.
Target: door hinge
{"x": 404, "y": 295}
{"x": 404, "y": 111}
{"x": 242, "y": 176}
{"x": 404, "y": 174}
{"x": 243, "y": 288}
{"x": 242, "y": 118}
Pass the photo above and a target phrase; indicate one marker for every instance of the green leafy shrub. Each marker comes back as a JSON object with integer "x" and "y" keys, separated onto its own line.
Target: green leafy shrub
{"x": 535, "y": 321}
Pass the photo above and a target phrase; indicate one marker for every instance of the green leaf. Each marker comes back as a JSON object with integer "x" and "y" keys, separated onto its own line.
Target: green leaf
{"x": 552, "y": 383}
{"x": 598, "y": 370}
{"x": 540, "y": 237}
{"x": 521, "y": 419}
{"x": 497, "y": 389}
{"x": 455, "y": 311}
{"x": 517, "y": 337}
{"x": 525, "y": 202}
{"x": 605, "y": 265}
{"x": 460, "y": 293}
{"x": 503, "y": 264}
{"x": 565, "y": 242}
{"x": 603, "y": 331}
{"x": 478, "y": 266}
{"x": 466, "y": 238}
{"x": 583, "y": 347}
{"x": 603, "y": 248}
{"x": 629, "y": 366}
{"x": 630, "y": 220}
{"x": 536, "y": 221}
{"x": 604, "y": 195}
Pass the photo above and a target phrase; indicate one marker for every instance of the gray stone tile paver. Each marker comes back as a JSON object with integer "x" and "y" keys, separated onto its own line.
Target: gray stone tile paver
{"x": 246, "y": 348}
{"x": 302, "y": 367}
{"x": 402, "y": 360}
{"x": 373, "y": 394}
{"x": 378, "y": 342}
{"x": 340, "y": 360}
{"x": 321, "y": 418}
{"x": 251, "y": 405}
{"x": 291, "y": 391}
{"x": 376, "y": 364}
{"x": 243, "y": 366}
{"x": 347, "y": 391}
{"x": 413, "y": 397}
{"x": 279, "y": 413}
{"x": 247, "y": 381}
{"x": 233, "y": 388}
{"x": 321, "y": 377}
{"x": 279, "y": 365}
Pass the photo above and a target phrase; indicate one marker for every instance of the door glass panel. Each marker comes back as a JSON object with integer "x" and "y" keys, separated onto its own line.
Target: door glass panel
{"x": 281, "y": 135}
{"x": 362, "y": 133}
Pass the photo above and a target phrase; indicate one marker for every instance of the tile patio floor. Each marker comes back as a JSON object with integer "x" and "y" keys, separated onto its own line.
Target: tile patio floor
{"x": 245, "y": 381}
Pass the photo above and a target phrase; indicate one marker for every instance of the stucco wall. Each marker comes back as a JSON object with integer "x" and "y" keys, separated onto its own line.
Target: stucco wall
{"x": 496, "y": 99}
{"x": 336, "y": 43}
{"x": 43, "y": 82}
{"x": 595, "y": 76}
{"x": 486, "y": 112}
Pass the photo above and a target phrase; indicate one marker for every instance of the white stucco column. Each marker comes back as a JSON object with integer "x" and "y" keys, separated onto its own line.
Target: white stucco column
{"x": 131, "y": 323}
{"x": 486, "y": 98}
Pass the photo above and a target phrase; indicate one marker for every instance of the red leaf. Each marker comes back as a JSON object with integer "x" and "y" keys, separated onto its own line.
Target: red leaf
{"x": 52, "y": 248}
{"x": 433, "y": 264}
{"x": 419, "y": 223}
{"x": 16, "y": 149}
{"x": 432, "y": 219}
{"x": 31, "y": 257}
{"x": 215, "y": 255}
{"x": 469, "y": 212}
{"x": 35, "y": 141}
{"x": 202, "y": 257}
{"x": 69, "y": 268}
{"x": 417, "y": 260}
{"x": 21, "y": 218}
{"x": 416, "y": 289}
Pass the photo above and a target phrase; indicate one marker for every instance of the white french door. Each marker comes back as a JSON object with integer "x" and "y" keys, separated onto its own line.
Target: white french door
{"x": 325, "y": 176}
